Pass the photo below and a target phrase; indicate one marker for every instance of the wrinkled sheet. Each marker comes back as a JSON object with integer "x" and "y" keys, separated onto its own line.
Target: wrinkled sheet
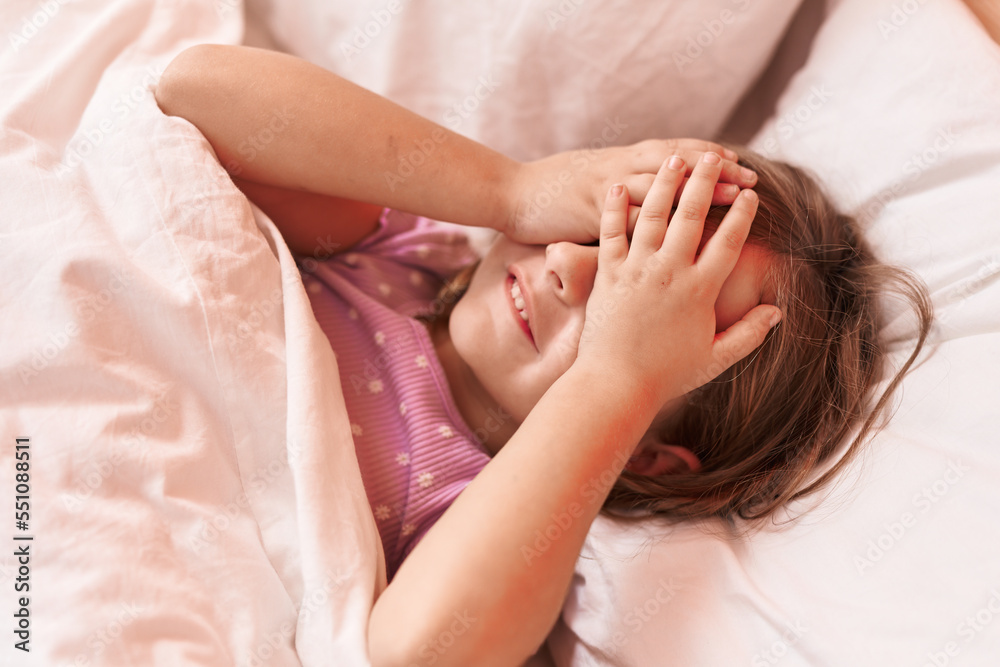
{"x": 194, "y": 493}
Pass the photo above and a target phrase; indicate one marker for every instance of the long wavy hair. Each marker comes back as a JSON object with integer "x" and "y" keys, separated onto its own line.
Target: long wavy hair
{"x": 766, "y": 428}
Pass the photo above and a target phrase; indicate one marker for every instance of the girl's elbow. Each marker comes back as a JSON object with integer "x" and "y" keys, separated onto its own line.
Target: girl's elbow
{"x": 402, "y": 640}
{"x": 386, "y": 650}
{"x": 180, "y": 81}
{"x": 385, "y": 647}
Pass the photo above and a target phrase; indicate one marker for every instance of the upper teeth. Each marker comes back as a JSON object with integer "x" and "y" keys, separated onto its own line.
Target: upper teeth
{"x": 515, "y": 293}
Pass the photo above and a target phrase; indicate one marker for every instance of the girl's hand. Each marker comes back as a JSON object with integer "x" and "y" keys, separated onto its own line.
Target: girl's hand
{"x": 650, "y": 322}
{"x": 559, "y": 198}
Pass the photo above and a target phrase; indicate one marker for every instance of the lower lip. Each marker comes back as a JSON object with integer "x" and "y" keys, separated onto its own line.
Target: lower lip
{"x": 517, "y": 316}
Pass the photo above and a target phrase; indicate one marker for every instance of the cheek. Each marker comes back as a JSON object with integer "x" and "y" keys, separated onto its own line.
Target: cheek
{"x": 513, "y": 375}
{"x": 515, "y": 380}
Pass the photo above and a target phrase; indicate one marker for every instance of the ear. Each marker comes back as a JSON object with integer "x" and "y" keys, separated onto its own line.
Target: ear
{"x": 656, "y": 458}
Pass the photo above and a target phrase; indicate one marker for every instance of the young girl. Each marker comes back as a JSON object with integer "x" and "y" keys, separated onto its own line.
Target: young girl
{"x": 597, "y": 356}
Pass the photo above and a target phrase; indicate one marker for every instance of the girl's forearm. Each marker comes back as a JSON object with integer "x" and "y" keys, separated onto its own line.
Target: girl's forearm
{"x": 279, "y": 120}
{"x": 493, "y": 572}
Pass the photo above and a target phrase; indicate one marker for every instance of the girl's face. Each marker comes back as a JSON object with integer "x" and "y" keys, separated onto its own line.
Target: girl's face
{"x": 518, "y": 326}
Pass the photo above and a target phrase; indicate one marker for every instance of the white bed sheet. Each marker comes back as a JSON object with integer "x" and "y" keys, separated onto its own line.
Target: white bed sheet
{"x": 896, "y": 111}
{"x": 533, "y": 77}
{"x": 194, "y": 493}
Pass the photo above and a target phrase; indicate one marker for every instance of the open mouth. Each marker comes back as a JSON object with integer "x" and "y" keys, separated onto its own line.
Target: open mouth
{"x": 519, "y": 306}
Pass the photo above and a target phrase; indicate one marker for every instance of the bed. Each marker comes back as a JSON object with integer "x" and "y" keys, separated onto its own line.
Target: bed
{"x": 193, "y": 497}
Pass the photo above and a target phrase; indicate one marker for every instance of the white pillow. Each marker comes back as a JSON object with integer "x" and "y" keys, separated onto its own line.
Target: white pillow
{"x": 533, "y": 78}
{"x": 897, "y": 112}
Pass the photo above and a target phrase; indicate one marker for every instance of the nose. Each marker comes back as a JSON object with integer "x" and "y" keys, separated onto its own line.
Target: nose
{"x": 571, "y": 269}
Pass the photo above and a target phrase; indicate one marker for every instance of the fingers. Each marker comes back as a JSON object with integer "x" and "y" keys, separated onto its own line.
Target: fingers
{"x": 745, "y": 336}
{"x": 648, "y": 155}
{"x": 652, "y": 222}
{"x": 724, "y": 195}
{"x": 703, "y": 146}
{"x": 723, "y": 249}
{"x": 639, "y": 184}
{"x": 692, "y": 151}
{"x": 614, "y": 227}
{"x": 684, "y": 234}
{"x": 633, "y": 217}
{"x": 734, "y": 173}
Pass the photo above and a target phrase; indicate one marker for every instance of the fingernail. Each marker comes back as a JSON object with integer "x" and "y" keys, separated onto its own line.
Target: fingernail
{"x": 711, "y": 158}
{"x": 775, "y": 318}
{"x": 750, "y": 195}
{"x": 616, "y": 190}
{"x": 675, "y": 163}
{"x": 748, "y": 175}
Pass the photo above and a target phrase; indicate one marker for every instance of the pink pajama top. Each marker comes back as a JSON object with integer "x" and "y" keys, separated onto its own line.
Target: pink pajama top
{"x": 415, "y": 451}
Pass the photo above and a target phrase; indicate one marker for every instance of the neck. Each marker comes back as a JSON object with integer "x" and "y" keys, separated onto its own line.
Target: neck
{"x": 477, "y": 407}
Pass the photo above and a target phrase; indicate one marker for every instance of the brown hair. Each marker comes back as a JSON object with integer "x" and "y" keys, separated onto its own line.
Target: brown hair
{"x": 770, "y": 423}
{"x": 766, "y": 426}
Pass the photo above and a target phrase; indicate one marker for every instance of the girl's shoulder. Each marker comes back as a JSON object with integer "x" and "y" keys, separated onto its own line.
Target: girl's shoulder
{"x": 442, "y": 249}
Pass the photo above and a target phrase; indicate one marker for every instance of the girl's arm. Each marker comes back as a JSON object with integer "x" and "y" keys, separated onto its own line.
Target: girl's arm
{"x": 283, "y": 126}
{"x": 491, "y": 575}
{"x": 284, "y": 123}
